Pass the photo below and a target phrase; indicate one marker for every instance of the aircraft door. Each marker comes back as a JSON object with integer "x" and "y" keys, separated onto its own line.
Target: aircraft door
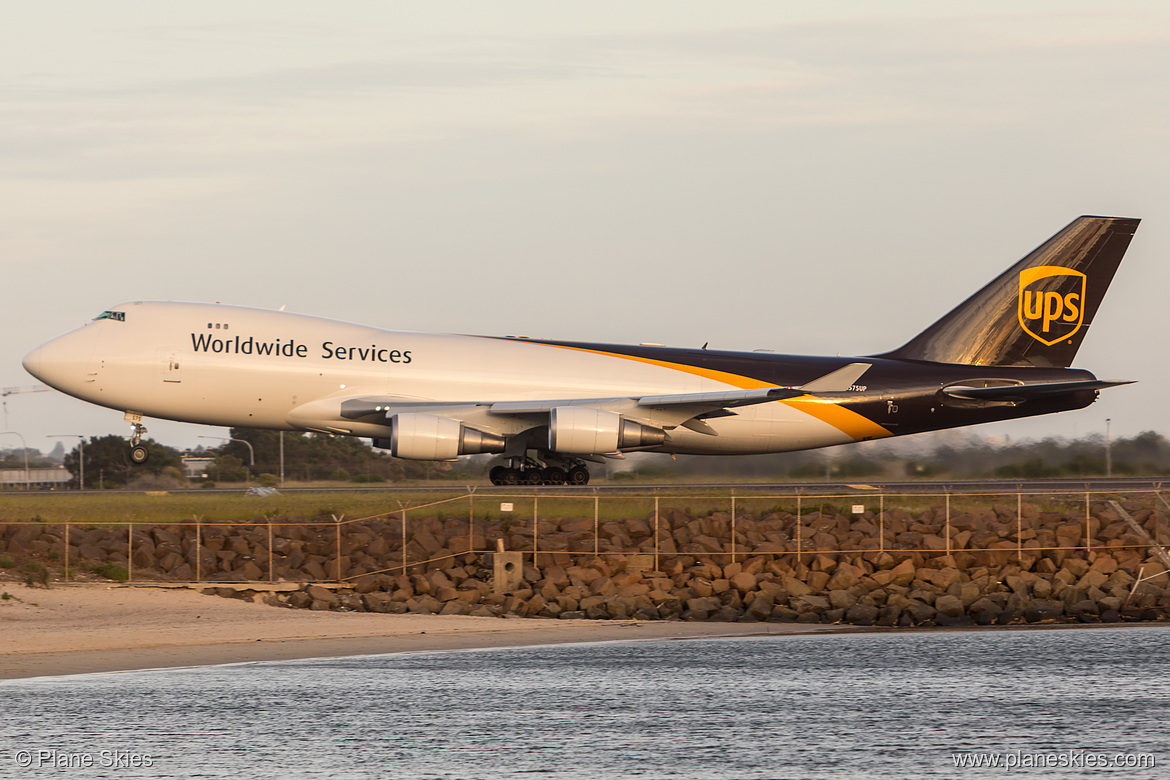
{"x": 171, "y": 368}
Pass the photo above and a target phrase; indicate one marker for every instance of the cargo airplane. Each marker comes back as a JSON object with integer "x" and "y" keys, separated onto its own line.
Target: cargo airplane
{"x": 550, "y": 407}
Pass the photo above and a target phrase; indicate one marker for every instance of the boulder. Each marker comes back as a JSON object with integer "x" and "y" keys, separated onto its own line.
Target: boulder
{"x": 862, "y": 614}
{"x": 809, "y": 603}
{"x": 845, "y": 577}
{"x": 377, "y": 601}
{"x": 704, "y": 606}
{"x": 761, "y": 607}
{"x": 1041, "y": 610}
{"x": 842, "y": 599}
{"x": 647, "y": 613}
{"x": 743, "y": 582}
{"x": 949, "y": 605}
{"x": 984, "y": 611}
{"x": 727, "y": 614}
{"x": 919, "y": 614}
{"x": 318, "y": 593}
{"x": 424, "y": 605}
{"x": 817, "y": 581}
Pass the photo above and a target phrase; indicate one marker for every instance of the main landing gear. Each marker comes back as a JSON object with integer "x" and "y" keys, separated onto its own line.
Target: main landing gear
{"x": 527, "y": 471}
{"x": 138, "y": 453}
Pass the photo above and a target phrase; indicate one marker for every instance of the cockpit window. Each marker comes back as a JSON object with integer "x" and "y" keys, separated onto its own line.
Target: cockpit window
{"x": 120, "y": 316}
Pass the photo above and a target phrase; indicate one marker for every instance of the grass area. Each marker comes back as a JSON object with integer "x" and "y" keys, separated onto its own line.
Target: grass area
{"x": 122, "y": 507}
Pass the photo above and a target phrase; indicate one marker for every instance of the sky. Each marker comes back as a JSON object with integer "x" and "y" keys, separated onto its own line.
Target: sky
{"x": 814, "y": 178}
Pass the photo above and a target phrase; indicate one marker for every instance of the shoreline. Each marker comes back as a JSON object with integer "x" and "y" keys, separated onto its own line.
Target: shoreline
{"x": 85, "y": 630}
{"x": 101, "y": 629}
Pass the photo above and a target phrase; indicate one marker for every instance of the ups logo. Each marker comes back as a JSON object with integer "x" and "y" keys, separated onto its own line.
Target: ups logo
{"x": 1051, "y": 306}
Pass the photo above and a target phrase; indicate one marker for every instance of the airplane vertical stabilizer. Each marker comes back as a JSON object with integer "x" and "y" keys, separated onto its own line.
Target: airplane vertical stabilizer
{"x": 1038, "y": 311}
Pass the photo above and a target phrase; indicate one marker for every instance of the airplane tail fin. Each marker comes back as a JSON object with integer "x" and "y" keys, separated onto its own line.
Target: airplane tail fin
{"x": 1038, "y": 311}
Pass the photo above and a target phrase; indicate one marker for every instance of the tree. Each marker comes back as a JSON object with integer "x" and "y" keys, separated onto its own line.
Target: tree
{"x": 317, "y": 456}
{"x": 107, "y": 461}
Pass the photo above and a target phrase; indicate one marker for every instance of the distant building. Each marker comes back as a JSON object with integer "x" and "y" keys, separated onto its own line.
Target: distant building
{"x": 196, "y": 468}
{"x": 57, "y": 477}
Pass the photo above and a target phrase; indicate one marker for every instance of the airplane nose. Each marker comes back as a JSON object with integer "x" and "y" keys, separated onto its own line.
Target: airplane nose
{"x": 61, "y": 363}
{"x": 32, "y": 362}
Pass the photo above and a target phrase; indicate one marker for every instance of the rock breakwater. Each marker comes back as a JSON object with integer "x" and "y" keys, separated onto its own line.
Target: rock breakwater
{"x": 992, "y": 565}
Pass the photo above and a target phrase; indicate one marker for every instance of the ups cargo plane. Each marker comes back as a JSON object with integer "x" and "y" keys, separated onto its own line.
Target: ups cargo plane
{"x": 550, "y": 407}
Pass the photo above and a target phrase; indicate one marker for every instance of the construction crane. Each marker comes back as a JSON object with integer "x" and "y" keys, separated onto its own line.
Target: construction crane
{"x": 7, "y": 391}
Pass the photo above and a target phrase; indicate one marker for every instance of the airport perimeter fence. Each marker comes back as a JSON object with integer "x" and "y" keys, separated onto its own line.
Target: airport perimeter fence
{"x": 559, "y": 529}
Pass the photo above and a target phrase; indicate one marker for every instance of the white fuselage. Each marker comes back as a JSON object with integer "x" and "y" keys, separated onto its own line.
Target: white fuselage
{"x": 234, "y": 366}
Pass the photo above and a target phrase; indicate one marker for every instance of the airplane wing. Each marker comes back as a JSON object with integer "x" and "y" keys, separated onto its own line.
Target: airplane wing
{"x": 353, "y": 414}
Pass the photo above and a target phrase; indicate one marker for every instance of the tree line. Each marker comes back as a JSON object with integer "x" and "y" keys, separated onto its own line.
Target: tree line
{"x": 317, "y": 457}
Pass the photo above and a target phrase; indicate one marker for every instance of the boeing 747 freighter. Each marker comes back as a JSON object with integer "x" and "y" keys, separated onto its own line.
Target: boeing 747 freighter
{"x": 551, "y": 407}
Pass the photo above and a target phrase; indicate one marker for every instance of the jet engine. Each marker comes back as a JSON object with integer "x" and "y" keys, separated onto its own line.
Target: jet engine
{"x": 583, "y": 430}
{"x": 429, "y": 437}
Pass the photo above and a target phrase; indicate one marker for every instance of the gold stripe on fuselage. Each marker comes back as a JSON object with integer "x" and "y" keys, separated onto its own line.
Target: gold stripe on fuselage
{"x": 840, "y": 417}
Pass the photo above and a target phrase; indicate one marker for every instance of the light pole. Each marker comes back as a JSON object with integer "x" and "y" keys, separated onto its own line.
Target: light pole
{"x": 24, "y": 448}
{"x": 1108, "y": 450}
{"x": 81, "y": 456}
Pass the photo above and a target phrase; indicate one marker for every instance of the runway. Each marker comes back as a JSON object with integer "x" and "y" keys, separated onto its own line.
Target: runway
{"x": 956, "y": 486}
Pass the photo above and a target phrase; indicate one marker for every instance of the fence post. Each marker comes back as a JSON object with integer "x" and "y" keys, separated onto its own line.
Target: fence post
{"x": 733, "y": 525}
{"x": 198, "y": 549}
{"x": 1019, "y": 523}
{"x": 948, "y": 521}
{"x": 337, "y": 520}
{"x": 535, "y": 522}
{"x": 655, "y": 529}
{"x": 799, "y": 522}
{"x": 129, "y": 552}
{"x": 1088, "y": 515}
{"x": 470, "y": 519}
{"x": 882, "y": 522}
{"x": 66, "y": 572}
{"x": 271, "y": 578}
{"x": 596, "y": 544}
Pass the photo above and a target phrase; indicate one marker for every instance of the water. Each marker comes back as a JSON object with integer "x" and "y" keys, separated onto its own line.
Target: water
{"x": 891, "y": 705}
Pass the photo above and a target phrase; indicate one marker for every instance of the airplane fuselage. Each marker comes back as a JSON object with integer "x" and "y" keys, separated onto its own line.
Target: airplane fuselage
{"x": 232, "y": 366}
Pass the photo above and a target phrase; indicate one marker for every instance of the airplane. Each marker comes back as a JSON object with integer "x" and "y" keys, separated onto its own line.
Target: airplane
{"x": 551, "y": 407}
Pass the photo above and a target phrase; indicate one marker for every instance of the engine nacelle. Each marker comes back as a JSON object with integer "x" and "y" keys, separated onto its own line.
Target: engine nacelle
{"x": 583, "y": 430}
{"x": 429, "y": 437}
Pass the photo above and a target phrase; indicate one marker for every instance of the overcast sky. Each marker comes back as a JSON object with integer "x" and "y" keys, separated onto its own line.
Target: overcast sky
{"x": 813, "y": 178}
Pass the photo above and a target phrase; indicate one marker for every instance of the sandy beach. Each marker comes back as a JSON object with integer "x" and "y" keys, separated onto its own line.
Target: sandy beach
{"x": 78, "y": 630}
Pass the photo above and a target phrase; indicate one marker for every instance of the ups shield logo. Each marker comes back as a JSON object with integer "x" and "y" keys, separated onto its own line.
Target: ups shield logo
{"x": 1051, "y": 306}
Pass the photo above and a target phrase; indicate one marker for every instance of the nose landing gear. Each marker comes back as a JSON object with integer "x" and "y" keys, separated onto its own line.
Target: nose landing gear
{"x": 138, "y": 453}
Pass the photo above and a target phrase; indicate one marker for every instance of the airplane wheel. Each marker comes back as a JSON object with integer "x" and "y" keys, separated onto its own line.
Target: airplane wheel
{"x": 496, "y": 475}
{"x": 555, "y": 476}
{"x": 534, "y": 476}
{"x": 579, "y": 476}
{"x": 510, "y": 477}
{"x": 139, "y": 454}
